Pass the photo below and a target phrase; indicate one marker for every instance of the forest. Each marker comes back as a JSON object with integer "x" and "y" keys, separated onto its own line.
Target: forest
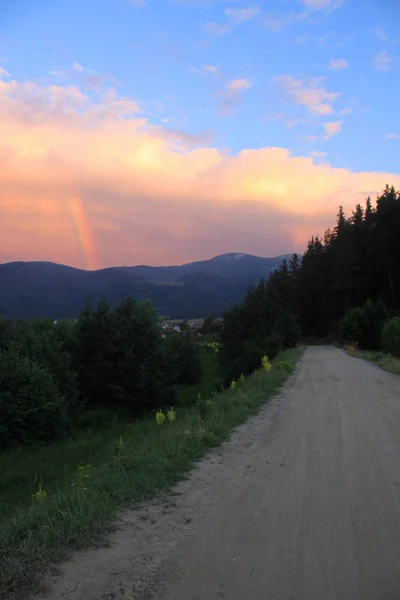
{"x": 345, "y": 286}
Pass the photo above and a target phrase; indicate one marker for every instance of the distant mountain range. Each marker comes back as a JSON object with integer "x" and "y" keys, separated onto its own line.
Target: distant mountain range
{"x": 197, "y": 289}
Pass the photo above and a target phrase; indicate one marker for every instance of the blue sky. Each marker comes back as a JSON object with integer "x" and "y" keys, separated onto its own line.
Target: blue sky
{"x": 314, "y": 78}
{"x": 157, "y": 50}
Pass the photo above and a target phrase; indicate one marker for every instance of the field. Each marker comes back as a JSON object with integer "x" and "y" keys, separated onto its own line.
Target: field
{"x": 65, "y": 496}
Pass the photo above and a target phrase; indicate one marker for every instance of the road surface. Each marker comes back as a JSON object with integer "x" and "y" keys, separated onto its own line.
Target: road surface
{"x": 303, "y": 504}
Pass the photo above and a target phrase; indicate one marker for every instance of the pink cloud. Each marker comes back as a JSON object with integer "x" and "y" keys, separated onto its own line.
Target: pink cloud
{"x": 309, "y": 93}
{"x": 96, "y": 184}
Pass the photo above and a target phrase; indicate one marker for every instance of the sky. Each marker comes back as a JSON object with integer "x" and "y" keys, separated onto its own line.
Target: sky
{"x": 165, "y": 131}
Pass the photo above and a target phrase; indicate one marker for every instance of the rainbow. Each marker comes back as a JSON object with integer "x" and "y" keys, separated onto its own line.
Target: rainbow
{"x": 84, "y": 233}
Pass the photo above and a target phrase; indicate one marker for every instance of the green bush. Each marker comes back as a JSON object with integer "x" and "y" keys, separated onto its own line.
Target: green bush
{"x": 121, "y": 359}
{"x": 184, "y": 359}
{"x": 31, "y": 406}
{"x": 363, "y": 324}
{"x": 391, "y": 336}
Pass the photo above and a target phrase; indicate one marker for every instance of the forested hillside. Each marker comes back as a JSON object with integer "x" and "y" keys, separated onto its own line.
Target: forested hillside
{"x": 37, "y": 290}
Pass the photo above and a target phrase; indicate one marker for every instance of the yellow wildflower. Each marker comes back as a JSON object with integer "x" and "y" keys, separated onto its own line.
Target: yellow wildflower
{"x": 40, "y": 495}
{"x": 266, "y": 365}
{"x": 160, "y": 417}
{"x": 171, "y": 415}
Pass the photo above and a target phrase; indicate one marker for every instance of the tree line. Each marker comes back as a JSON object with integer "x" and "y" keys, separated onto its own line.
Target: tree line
{"x": 346, "y": 285}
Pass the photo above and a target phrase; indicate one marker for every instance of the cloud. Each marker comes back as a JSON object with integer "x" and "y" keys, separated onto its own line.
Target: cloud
{"x": 314, "y": 5}
{"x": 241, "y": 15}
{"x": 382, "y": 61}
{"x": 4, "y": 73}
{"x": 337, "y": 64}
{"x": 309, "y": 93}
{"x": 206, "y": 69}
{"x": 93, "y": 183}
{"x": 238, "y": 85}
{"x": 213, "y": 28}
{"x": 382, "y": 35}
{"x": 232, "y": 95}
{"x": 210, "y": 69}
{"x": 316, "y": 154}
{"x": 334, "y": 39}
{"x": 91, "y": 80}
{"x": 277, "y": 22}
{"x": 393, "y": 136}
{"x": 332, "y": 128}
{"x": 345, "y": 111}
{"x": 309, "y": 138}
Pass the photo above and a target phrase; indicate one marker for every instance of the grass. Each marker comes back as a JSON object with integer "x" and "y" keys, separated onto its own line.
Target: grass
{"x": 129, "y": 463}
{"x": 385, "y": 361}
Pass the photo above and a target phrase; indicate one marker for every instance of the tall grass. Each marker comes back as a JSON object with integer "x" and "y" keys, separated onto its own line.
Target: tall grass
{"x": 122, "y": 465}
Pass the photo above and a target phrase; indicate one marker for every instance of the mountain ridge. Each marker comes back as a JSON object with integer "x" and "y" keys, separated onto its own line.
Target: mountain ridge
{"x": 38, "y": 289}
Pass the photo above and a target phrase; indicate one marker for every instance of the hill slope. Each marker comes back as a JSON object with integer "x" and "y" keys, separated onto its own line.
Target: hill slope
{"x": 44, "y": 289}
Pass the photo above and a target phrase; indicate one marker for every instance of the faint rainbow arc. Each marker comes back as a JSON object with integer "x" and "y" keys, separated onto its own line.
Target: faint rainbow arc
{"x": 84, "y": 232}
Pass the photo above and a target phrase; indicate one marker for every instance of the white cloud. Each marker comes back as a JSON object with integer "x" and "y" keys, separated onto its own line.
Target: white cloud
{"x": 238, "y": 85}
{"x": 216, "y": 29}
{"x": 232, "y": 94}
{"x": 393, "y": 136}
{"x": 337, "y": 64}
{"x": 90, "y": 79}
{"x": 381, "y": 34}
{"x": 345, "y": 111}
{"x": 309, "y": 138}
{"x": 4, "y": 73}
{"x": 333, "y": 38}
{"x": 382, "y": 61}
{"x": 310, "y": 94}
{"x": 332, "y": 128}
{"x": 316, "y": 154}
{"x": 210, "y": 69}
{"x": 77, "y": 67}
{"x": 242, "y": 14}
{"x": 314, "y": 5}
{"x": 277, "y": 22}
{"x": 206, "y": 70}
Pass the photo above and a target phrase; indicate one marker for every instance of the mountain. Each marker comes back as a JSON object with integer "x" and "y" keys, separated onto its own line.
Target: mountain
{"x": 45, "y": 289}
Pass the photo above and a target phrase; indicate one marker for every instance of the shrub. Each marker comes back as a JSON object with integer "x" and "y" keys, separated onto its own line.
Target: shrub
{"x": 31, "y": 406}
{"x": 391, "y": 336}
{"x": 121, "y": 359}
{"x": 184, "y": 359}
{"x": 363, "y": 324}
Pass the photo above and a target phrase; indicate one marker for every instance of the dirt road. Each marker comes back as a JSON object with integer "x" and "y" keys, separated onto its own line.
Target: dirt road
{"x": 303, "y": 503}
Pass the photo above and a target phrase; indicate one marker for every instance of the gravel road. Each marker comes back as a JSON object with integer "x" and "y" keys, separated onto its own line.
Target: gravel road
{"x": 303, "y": 503}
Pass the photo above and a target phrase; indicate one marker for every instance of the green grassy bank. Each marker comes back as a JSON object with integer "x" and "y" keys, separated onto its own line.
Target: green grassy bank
{"x": 63, "y": 497}
{"x": 385, "y": 361}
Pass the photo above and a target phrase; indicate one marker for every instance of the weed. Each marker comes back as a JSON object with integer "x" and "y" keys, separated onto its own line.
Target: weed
{"x": 160, "y": 417}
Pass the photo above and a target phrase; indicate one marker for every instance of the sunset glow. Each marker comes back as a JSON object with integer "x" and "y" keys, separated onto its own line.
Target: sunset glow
{"x": 95, "y": 172}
